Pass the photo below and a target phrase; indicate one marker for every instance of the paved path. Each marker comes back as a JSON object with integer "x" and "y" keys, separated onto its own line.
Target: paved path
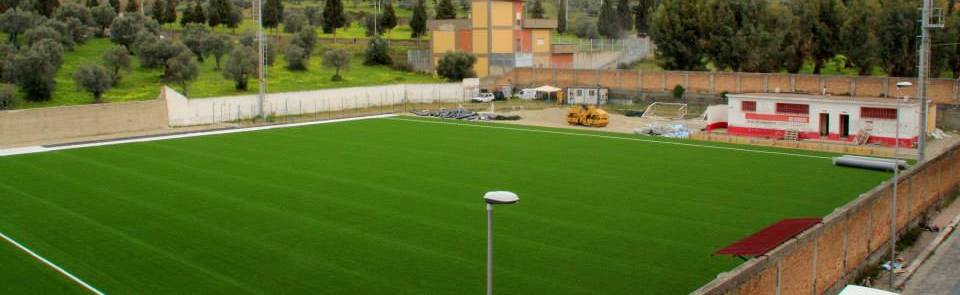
{"x": 940, "y": 275}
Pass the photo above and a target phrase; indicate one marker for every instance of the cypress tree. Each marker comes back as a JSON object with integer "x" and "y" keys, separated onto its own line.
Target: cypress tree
{"x": 170, "y": 12}
{"x": 418, "y": 22}
{"x": 562, "y": 17}
{"x": 333, "y": 17}
{"x": 624, "y": 15}
{"x": 610, "y": 26}
{"x": 537, "y": 10}
{"x": 389, "y": 18}
{"x": 445, "y": 10}
{"x": 157, "y": 11}
{"x": 272, "y": 13}
{"x": 132, "y": 6}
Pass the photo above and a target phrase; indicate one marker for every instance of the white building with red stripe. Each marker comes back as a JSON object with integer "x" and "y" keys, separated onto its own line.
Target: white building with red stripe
{"x": 831, "y": 118}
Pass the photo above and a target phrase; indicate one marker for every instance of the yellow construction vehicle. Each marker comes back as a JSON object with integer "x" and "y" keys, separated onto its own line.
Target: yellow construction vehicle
{"x": 589, "y": 116}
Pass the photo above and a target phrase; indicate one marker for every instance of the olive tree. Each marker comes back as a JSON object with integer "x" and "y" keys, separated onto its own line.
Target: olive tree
{"x": 34, "y": 71}
{"x": 116, "y": 59}
{"x": 297, "y": 58}
{"x": 103, "y": 16}
{"x": 197, "y": 38}
{"x": 338, "y": 59}
{"x": 94, "y": 79}
{"x": 15, "y": 22}
{"x": 241, "y": 65}
{"x": 181, "y": 69}
{"x": 218, "y": 46}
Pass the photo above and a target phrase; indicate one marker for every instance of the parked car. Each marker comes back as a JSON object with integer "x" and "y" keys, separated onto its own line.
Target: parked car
{"x": 528, "y": 94}
{"x": 484, "y": 97}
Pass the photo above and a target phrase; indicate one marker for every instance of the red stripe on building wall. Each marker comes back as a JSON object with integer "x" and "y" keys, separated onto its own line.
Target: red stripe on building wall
{"x": 779, "y": 134}
{"x": 717, "y": 125}
{"x": 778, "y": 118}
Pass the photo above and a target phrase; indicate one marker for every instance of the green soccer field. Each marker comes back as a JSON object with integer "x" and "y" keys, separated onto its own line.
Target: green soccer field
{"x": 394, "y": 206}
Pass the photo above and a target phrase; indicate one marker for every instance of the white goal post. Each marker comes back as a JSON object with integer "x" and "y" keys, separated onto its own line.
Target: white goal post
{"x": 666, "y": 110}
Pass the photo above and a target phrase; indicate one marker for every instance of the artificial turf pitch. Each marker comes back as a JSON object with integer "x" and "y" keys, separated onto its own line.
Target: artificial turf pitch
{"x": 393, "y": 206}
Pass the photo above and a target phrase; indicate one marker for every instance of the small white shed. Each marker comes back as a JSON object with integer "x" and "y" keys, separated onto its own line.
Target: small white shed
{"x": 587, "y": 95}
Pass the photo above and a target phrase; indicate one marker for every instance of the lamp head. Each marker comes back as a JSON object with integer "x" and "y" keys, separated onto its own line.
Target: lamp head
{"x": 904, "y": 84}
{"x": 501, "y": 197}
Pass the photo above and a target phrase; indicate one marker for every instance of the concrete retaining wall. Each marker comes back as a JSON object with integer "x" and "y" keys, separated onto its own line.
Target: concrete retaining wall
{"x": 826, "y": 257}
{"x": 185, "y": 112}
{"x": 18, "y": 127}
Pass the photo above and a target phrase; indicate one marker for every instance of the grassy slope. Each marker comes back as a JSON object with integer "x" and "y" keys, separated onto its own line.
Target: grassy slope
{"x": 393, "y": 207}
{"x": 141, "y": 84}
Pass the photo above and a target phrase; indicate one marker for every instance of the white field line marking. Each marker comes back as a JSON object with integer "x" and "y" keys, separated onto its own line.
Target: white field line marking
{"x": 617, "y": 137}
{"x": 54, "y": 266}
{"x": 41, "y": 149}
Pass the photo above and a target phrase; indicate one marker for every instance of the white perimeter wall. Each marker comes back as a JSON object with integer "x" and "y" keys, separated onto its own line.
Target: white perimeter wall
{"x": 184, "y": 112}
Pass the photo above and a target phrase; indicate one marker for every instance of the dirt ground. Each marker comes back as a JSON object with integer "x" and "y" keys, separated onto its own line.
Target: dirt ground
{"x": 557, "y": 117}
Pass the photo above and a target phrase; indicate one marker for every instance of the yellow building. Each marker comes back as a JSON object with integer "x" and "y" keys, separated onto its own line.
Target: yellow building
{"x": 517, "y": 41}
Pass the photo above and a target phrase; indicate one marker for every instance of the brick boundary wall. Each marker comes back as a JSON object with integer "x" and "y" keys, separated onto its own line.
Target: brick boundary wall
{"x": 40, "y": 124}
{"x": 941, "y": 91}
{"x": 823, "y": 259}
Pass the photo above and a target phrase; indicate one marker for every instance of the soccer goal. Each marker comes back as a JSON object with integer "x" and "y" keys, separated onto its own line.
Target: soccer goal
{"x": 666, "y": 110}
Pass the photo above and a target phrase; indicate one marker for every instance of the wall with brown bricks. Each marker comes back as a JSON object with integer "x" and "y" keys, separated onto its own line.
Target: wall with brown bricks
{"x": 942, "y": 91}
{"x": 824, "y": 257}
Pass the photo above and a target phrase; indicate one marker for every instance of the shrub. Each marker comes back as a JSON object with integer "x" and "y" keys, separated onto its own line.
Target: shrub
{"x": 586, "y": 28}
{"x": 296, "y": 57}
{"x": 155, "y": 52}
{"x": 94, "y": 79}
{"x": 678, "y": 92}
{"x": 306, "y": 39}
{"x": 35, "y": 34}
{"x": 7, "y": 97}
{"x": 455, "y": 66}
{"x": 378, "y": 52}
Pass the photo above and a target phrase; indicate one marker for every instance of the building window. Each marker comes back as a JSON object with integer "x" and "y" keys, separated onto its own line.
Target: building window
{"x": 579, "y": 92}
{"x": 748, "y": 106}
{"x": 539, "y": 41}
{"x": 591, "y": 92}
{"x": 793, "y": 108}
{"x": 878, "y": 113}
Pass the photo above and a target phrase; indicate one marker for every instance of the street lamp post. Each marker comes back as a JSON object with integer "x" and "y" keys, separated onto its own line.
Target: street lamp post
{"x": 896, "y": 182}
{"x": 494, "y": 198}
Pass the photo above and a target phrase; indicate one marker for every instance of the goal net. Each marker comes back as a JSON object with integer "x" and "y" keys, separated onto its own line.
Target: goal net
{"x": 666, "y": 110}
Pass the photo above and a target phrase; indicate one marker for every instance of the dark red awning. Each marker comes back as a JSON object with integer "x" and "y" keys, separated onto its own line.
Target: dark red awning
{"x": 769, "y": 238}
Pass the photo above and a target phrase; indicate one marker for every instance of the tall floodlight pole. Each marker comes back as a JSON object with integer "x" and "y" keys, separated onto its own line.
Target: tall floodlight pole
{"x": 896, "y": 183}
{"x": 489, "y": 37}
{"x": 494, "y": 198}
{"x": 261, "y": 58}
{"x": 923, "y": 68}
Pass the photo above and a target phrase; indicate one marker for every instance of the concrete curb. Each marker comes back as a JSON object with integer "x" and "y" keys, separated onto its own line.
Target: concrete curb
{"x": 927, "y": 252}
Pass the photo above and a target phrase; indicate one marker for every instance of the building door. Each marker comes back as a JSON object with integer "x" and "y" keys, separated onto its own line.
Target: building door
{"x": 844, "y": 126}
{"x": 824, "y": 124}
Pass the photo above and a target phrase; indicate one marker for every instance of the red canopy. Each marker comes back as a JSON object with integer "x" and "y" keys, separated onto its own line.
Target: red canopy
{"x": 769, "y": 238}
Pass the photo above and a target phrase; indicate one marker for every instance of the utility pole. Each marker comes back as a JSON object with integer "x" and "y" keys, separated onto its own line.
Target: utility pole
{"x": 923, "y": 69}
{"x": 261, "y": 57}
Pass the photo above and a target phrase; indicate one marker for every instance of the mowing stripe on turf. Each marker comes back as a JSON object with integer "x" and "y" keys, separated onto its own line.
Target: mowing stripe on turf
{"x": 54, "y": 266}
{"x": 41, "y": 149}
{"x": 613, "y": 137}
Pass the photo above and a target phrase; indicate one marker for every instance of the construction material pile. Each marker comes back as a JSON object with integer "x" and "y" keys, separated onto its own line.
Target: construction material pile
{"x": 665, "y": 130}
{"x": 463, "y": 114}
